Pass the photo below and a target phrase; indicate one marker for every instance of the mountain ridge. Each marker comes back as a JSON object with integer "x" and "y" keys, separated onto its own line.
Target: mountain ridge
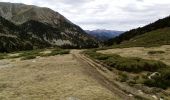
{"x": 103, "y": 34}
{"x": 40, "y": 34}
{"x": 129, "y": 35}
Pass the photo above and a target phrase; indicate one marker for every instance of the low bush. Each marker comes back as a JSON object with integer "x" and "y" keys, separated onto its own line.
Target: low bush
{"x": 127, "y": 64}
{"x": 2, "y": 55}
{"x": 155, "y": 52}
{"x": 28, "y": 57}
{"x": 56, "y": 52}
{"x": 64, "y": 52}
{"x": 162, "y": 81}
{"x": 29, "y": 53}
{"x": 123, "y": 77}
{"x": 136, "y": 65}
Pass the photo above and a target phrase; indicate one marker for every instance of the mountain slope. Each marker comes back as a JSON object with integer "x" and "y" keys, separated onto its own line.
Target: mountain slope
{"x": 21, "y": 13}
{"x": 161, "y": 23}
{"x": 153, "y": 38}
{"x": 10, "y": 38}
{"x": 33, "y": 35}
{"x": 42, "y": 27}
{"x": 104, "y": 35}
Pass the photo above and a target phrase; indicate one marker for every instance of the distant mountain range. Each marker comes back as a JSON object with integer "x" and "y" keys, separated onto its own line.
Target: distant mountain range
{"x": 154, "y": 34}
{"x": 104, "y": 35}
{"x": 27, "y": 27}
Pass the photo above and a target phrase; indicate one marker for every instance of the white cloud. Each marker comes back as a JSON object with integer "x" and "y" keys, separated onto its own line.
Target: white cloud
{"x": 106, "y": 14}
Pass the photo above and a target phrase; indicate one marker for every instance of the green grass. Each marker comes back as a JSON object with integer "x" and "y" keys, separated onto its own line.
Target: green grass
{"x": 35, "y": 53}
{"x": 28, "y": 57}
{"x": 2, "y": 55}
{"x": 154, "y": 38}
{"x": 56, "y": 52}
{"x": 162, "y": 81}
{"x": 130, "y": 64}
{"x": 31, "y": 54}
{"x": 156, "y": 52}
{"x": 135, "y": 66}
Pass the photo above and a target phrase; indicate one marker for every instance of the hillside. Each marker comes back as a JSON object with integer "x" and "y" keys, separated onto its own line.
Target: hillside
{"x": 161, "y": 23}
{"x": 104, "y": 35}
{"x": 153, "y": 38}
{"x": 27, "y": 27}
{"x": 33, "y": 35}
{"x": 21, "y": 13}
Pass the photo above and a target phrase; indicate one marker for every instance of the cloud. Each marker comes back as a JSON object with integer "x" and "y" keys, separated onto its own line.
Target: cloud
{"x": 106, "y": 14}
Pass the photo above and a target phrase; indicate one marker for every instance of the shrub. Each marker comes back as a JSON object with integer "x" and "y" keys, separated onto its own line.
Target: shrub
{"x": 130, "y": 64}
{"x": 28, "y": 53}
{"x": 123, "y": 77}
{"x": 64, "y": 52}
{"x": 136, "y": 65}
{"x": 155, "y": 52}
{"x": 162, "y": 81}
{"x": 28, "y": 57}
{"x": 56, "y": 52}
{"x": 2, "y": 55}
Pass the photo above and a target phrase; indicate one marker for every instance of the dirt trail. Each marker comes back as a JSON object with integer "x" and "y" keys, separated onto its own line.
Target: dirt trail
{"x": 98, "y": 72}
{"x": 106, "y": 79}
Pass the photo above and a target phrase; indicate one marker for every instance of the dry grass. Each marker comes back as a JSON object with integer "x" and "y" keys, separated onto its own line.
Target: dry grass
{"x": 143, "y": 53}
{"x": 161, "y": 53}
{"x": 53, "y": 78}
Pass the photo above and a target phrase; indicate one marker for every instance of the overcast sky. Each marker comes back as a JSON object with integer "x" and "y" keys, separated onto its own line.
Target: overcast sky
{"x": 106, "y": 14}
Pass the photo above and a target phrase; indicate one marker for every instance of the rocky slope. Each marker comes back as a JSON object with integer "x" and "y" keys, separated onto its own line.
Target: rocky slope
{"x": 39, "y": 27}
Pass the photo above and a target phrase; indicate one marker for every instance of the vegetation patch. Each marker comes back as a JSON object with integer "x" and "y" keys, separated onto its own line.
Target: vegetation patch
{"x": 31, "y": 54}
{"x": 162, "y": 81}
{"x": 132, "y": 69}
{"x": 149, "y": 39}
{"x": 156, "y": 52}
{"x": 2, "y": 55}
{"x": 56, "y": 52}
{"x": 28, "y": 57}
{"x": 130, "y": 64}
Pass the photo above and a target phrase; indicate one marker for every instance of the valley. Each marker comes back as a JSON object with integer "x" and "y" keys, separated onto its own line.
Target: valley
{"x": 45, "y": 56}
{"x": 68, "y": 76}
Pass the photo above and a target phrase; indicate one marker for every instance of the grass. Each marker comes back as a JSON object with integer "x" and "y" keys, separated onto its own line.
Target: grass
{"x": 25, "y": 55}
{"x": 56, "y": 52}
{"x": 34, "y": 54}
{"x": 2, "y": 55}
{"x": 156, "y": 52}
{"x": 129, "y": 64}
{"x": 151, "y": 39}
{"x": 162, "y": 81}
{"x": 135, "y": 66}
{"x": 123, "y": 77}
{"x": 28, "y": 57}
{"x": 53, "y": 78}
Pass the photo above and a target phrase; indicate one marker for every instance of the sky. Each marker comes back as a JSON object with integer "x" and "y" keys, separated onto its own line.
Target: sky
{"x": 119, "y": 15}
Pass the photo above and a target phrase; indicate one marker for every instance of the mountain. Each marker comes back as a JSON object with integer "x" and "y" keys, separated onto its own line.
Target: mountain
{"x": 104, "y": 35}
{"x": 152, "y": 31}
{"x": 38, "y": 27}
{"x": 154, "y": 38}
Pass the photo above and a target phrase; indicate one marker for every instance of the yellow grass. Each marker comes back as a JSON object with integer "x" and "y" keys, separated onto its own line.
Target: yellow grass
{"x": 142, "y": 52}
{"x": 51, "y": 78}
